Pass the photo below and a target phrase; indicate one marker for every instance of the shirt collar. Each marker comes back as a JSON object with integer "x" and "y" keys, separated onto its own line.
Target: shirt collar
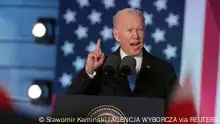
{"x": 123, "y": 54}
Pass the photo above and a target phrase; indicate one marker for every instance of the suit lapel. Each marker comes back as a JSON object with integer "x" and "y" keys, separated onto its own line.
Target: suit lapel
{"x": 146, "y": 62}
{"x": 145, "y": 67}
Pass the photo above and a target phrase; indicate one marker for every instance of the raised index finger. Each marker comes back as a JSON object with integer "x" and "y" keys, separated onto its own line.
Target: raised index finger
{"x": 98, "y": 45}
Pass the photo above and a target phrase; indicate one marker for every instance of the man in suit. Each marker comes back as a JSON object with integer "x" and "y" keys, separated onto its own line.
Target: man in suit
{"x": 155, "y": 78}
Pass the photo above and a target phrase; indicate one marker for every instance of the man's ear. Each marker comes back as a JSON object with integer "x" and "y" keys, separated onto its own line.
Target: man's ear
{"x": 116, "y": 34}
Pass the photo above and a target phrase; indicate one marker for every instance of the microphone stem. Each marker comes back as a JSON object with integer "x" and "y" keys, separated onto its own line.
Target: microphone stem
{"x": 114, "y": 89}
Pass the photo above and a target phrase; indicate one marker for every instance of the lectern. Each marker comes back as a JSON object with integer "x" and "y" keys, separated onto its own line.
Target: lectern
{"x": 108, "y": 109}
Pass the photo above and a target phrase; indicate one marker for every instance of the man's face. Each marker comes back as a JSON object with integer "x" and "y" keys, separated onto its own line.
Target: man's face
{"x": 129, "y": 32}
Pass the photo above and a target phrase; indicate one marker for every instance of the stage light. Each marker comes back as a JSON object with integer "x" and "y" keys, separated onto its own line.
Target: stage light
{"x": 34, "y": 91}
{"x": 39, "y": 30}
{"x": 44, "y": 31}
{"x": 40, "y": 92}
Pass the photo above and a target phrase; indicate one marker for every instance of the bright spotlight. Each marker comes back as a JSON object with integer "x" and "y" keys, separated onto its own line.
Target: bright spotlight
{"x": 39, "y": 30}
{"x": 34, "y": 91}
{"x": 44, "y": 31}
{"x": 40, "y": 92}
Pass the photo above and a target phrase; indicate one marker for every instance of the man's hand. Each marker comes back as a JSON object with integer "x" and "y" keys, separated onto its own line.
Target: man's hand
{"x": 95, "y": 59}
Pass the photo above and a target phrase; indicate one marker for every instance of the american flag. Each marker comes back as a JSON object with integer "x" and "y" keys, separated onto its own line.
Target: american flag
{"x": 82, "y": 22}
{"x": 176, "y": 30}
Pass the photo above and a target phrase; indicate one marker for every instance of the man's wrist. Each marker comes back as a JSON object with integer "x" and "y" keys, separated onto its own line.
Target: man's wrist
{"x": 90, "y": 73}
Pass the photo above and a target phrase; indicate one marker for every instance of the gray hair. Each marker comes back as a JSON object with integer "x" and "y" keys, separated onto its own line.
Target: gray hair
{"x": 127, "y": 10}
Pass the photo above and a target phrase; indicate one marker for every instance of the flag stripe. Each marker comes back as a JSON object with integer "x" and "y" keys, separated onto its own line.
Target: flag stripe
{"x": 193, "y": 45}
{"x": 215, "y": 9}
{"x": 210, "y": 65}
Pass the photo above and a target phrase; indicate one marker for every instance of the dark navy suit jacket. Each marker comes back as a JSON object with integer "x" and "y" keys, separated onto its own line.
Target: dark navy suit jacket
{"x": 156, "y": 79}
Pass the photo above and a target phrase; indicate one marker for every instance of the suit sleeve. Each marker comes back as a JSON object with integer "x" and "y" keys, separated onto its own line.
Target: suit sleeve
{"x": 171, "y": 85}
{"x": 83, "y": 84}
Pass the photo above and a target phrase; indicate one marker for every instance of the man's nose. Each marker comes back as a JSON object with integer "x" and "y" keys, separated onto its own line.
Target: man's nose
{"x": 135, "y": 34}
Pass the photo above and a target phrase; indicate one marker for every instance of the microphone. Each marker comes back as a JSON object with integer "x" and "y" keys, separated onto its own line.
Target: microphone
{"x": 110, "y": 70}
{"x": 127, "y": 66}
{"x": 111, "y": 65}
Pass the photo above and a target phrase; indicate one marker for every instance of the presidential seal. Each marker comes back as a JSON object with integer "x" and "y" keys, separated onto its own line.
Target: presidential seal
{"x": 107, "y": 114}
